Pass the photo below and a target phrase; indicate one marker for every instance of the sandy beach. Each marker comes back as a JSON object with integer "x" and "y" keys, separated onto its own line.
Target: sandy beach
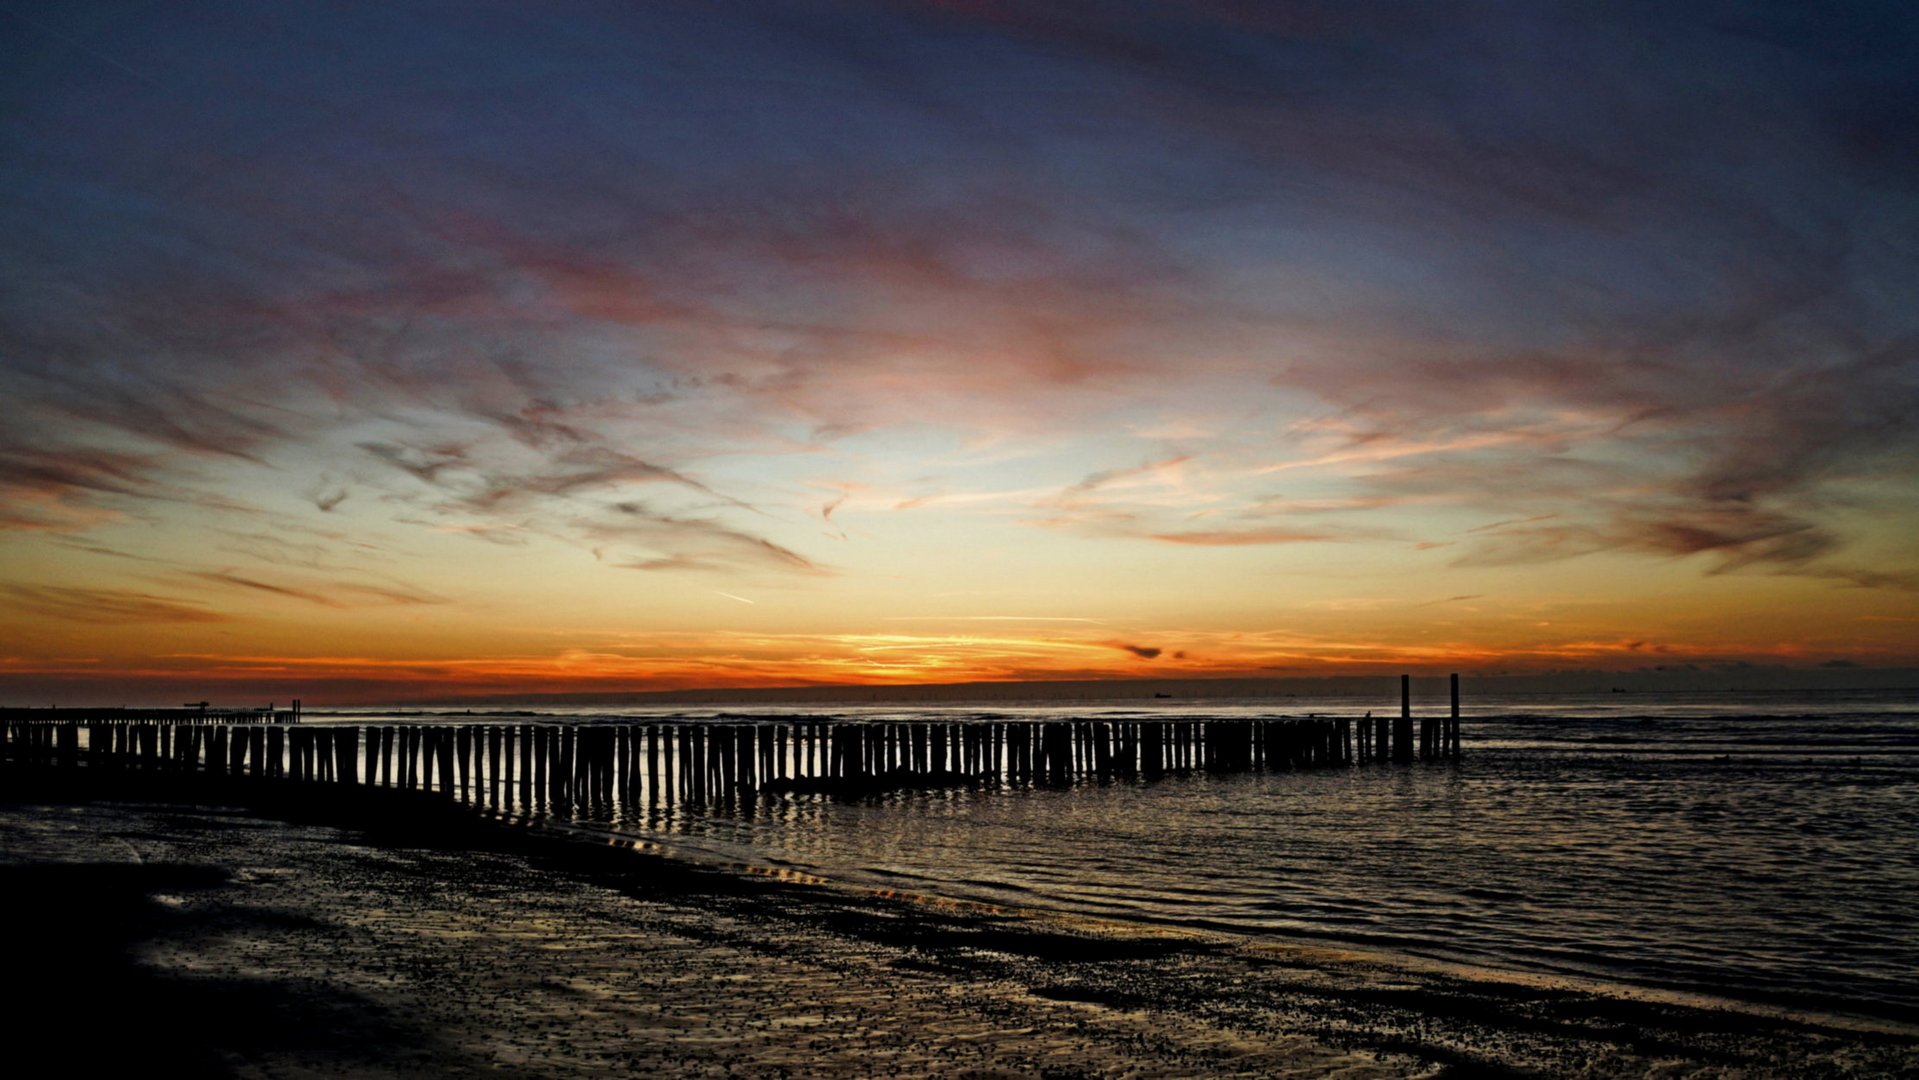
{"x": 227, "y": 942}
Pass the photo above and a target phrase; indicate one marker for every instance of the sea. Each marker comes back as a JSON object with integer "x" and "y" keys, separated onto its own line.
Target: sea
{"x": 1762, "y": 847}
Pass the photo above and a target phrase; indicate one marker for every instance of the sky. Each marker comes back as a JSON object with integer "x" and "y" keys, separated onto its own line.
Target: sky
{"x": 382, "y": 351}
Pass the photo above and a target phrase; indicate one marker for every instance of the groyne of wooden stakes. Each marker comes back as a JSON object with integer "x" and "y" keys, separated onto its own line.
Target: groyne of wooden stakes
{"x": 591, "y": 768}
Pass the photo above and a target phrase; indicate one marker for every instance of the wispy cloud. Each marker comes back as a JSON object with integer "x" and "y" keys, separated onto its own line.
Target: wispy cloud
{"x": 1463, "y": 597}
{"x": 332, "y": 594}
{"x": 238, "y": 581}
{"x": 1245, "y": 537}
{"x": 691, "y": 543}
{"x": 392, "y": 594}
{"x": 107, "y": 606}
{"x": 993, "y": 618}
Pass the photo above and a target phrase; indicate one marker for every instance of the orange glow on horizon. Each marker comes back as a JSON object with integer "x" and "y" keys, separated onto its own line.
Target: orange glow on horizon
{"x": 869, "y": 662}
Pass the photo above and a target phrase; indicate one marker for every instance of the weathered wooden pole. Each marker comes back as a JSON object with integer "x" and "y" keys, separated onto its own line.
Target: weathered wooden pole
{"x": 719, "y": 768}
{"x": 602, "y": 765}
{"x": 684, "y": 762}
{"x": 532, "y": 766}
{"x": 652, "y": 763}
{"x": 587, "y": 752}
{"x": 493, "y": 762}
{"x": 676, "y": 777}
{"x": 419, "y": 758}
{"x": 1452, "y": 727}
{"x": 706, "y": 763}
{"x": 528, "y": 761}
{"x": 350, "y": 755}
{"x": 1403, "y": 730}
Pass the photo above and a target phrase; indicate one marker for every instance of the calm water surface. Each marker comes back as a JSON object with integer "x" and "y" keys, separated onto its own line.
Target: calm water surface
{"x": 1761, "y": 846}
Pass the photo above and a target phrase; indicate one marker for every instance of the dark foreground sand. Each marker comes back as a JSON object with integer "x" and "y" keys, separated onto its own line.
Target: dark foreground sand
{"x": 153, "y": 936}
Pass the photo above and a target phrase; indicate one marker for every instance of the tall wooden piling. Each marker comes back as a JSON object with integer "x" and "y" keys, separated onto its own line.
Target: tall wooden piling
{"x": 1451, "y": 748}
{"x": 1403, "y": 729}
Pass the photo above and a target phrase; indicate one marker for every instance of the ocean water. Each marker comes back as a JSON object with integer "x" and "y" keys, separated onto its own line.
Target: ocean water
{"x": 1762, "y": 847}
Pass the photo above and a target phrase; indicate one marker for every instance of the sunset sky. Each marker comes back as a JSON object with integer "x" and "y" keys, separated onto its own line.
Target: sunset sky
{"x": 396, "y": 350}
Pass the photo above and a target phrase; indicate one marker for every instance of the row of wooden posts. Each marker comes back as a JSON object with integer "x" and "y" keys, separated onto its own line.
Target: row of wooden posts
{"x": 565, "y": 762}
{"x": 592, "y": 766}
{"x": 1438, "y": 735}
{"x": 195, "y": 713}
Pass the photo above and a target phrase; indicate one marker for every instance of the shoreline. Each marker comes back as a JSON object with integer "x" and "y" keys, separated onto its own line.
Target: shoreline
{"x": 1783, "y": 1007}
{"x": 621, "y": 961}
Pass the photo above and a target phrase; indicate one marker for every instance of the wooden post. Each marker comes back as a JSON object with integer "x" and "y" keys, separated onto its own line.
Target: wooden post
{"x": 696, "y": 764}
{"x": 540, "y": 764}
{"x": 493, "y": 766}
{"x": 680, "y": 785}
{"x": 652, "y": 763}
{"x": 350, "y": 755}
{"x": 589, "y": 762}
{"x": 1403, "y": 730}
{"x": 752, "y": 759}
{"x": 625, "y": 751}
{"x": 1452, "y": 727}
{"x": 529, "y": 762}
{"x": 669, "y": 766}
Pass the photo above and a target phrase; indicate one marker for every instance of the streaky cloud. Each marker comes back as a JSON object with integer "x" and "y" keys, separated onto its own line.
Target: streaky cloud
{"x": 1247, "y": 537}
{"x": 107, "y": 606}
{"x": 239, "y": 581}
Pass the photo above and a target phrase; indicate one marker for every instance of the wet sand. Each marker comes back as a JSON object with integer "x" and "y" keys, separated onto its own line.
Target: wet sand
{"x": 225, "y": 942}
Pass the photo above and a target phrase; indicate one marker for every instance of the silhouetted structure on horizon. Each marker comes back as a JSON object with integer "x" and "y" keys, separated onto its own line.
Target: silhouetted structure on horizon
{"x": 603, "y": 768}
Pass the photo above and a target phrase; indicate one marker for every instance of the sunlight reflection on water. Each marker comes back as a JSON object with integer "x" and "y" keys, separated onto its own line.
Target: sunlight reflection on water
{"x": 1700, "y": 848}
{"x": 1753, "y": 846}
